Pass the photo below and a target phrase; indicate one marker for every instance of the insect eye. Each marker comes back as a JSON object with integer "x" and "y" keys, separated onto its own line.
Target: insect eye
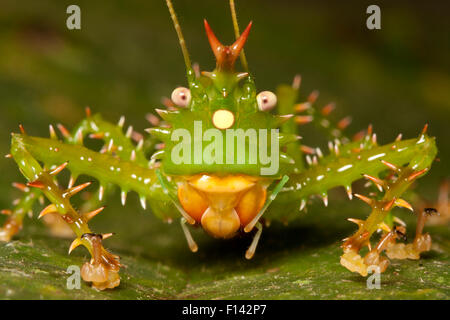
{"x": 181, "y": 97}
{"x": 266, "y": 100}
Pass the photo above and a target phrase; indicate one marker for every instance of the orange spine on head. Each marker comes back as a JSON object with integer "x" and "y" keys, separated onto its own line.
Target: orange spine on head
{"x": 226, "y": 55}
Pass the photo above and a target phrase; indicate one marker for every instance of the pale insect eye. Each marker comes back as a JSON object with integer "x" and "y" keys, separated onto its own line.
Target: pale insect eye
{"x": 266, "y": 100}
{"x": 181, "y": 97}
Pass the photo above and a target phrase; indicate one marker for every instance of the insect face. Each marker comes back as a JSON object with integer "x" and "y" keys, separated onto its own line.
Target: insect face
{"x": 221, "y": 125}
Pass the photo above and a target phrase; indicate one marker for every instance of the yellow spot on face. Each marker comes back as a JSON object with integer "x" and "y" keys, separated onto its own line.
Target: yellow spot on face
{"x": 223, "y": 119}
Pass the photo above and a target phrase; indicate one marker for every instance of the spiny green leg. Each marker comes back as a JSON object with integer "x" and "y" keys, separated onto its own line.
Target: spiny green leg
{"x": 107, "y": 167}
{"x": 395, "y": 185}
{"x": 14, "y": 221}
{"x": 103, "y": 268}
{"x": 348, "y": 162}
{"x": 353, "y": 161}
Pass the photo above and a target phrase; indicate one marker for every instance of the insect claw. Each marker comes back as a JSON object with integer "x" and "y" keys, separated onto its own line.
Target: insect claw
{"x": 9, "y": 156}
{"x": 49, "y": 209}
{"x": 364, "y": 198}
{"x": 369, "y": 130}
{"x": 73, "y": 191}
{"x": 22, "y": 130}
{"x": 399, "y": 137}
{"x": 77, "y": 242}
{"x": 89, "y": 215}
{"x": 58, "y": 169}
{"x": 63, "y": 131}
{"x": 404, "y": 204}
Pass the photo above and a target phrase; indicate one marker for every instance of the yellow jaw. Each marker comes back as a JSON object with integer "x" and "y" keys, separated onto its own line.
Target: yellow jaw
{"x": 222, "y": 204}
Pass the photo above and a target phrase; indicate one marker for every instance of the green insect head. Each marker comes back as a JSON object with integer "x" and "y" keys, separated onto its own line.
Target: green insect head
{"x": 220, "y": 124}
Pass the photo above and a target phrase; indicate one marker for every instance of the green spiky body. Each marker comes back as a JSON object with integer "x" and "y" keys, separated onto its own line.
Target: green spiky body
{"x": 139, "y": 167}
{"x": 126, "y": 165}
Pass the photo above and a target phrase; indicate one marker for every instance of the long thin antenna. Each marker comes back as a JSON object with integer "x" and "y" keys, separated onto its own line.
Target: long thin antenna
{"x": 237, "y": 33}
{"x": 176, "y": 24}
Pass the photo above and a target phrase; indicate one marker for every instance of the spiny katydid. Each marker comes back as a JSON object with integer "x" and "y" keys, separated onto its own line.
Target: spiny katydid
{"x": 208, "y": 167}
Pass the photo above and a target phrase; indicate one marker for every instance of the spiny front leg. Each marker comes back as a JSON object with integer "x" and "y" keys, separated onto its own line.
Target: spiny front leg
{"x": 395, "y": 185}
{"x": 116, "y": 142}
{"x": 421, "y": 243}
{"x": 103, "y": 269}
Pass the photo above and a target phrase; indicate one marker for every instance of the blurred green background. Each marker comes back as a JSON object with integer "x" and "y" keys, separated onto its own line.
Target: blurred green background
{"x": 126, "y": 57}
